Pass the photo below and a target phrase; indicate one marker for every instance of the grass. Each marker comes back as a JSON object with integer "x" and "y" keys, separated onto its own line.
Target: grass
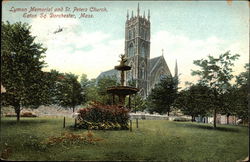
{"x": 153, "y": 140}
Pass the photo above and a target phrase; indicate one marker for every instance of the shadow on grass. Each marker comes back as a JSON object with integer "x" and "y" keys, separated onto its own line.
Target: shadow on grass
{"x": 73, "y": 128}
{"x": 23, "y": 121}
{"x": 119, "y": 155}
{"x": 218, "y": 128}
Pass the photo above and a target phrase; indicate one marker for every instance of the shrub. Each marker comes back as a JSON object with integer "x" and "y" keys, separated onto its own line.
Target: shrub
{"x": 28, "y": 114}
{"x": 103, "y": 117}
{"x": 71, "y": 138}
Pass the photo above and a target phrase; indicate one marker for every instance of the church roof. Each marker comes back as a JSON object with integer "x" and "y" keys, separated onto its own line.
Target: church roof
{"x": 156, "y": 62}
{"x": 111, "y": 72}
{"x": 153, "y": 62}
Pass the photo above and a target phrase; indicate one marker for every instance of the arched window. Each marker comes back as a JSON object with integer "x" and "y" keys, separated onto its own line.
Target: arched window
{"x": 142, "y": 33}
{"x": 142, "y": 71}
{"x": 143, "y": 50}
{"x": 131, "y": 50}
{"x": 130, "y": 34}
{"x": 133, "y": 33}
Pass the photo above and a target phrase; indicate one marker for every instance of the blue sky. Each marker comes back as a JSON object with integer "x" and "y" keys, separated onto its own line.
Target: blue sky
{"x": 186, "y": 30}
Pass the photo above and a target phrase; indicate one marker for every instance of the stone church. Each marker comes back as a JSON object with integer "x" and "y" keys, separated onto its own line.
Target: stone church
{"x": 145, "y": 71}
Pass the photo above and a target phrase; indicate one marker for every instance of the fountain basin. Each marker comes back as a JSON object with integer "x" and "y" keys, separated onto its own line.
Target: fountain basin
{"x": 122, "y": 67}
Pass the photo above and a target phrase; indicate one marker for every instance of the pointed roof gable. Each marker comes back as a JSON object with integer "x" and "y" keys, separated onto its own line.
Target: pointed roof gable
{"x": 157, "y": 60}
{"x": 111, "y": 72}
{"x": 153, "y": 62}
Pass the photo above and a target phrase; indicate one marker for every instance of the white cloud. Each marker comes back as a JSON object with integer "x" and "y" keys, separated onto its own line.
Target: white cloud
{"x": 185, "y": 50}
{"x": 76, "y": 50}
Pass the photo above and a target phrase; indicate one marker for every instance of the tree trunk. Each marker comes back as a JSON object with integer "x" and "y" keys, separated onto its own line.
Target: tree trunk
{"x": 168, "y": 113}
{"x": 228, "y": 118}
{"x": 215, "y": 118}
{"x": 192, "y": 118}
{"x": 17, "y": 110}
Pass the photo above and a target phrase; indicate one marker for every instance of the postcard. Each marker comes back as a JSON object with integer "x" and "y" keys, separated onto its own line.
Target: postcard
{"x": 111, "y": 57}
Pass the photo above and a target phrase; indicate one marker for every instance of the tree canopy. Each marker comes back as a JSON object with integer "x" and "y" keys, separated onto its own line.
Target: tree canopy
{"x": 102, "y": 85}
{"x": 96, "y": 90}
{"x": 194, "y": 100}
{"x": 241, "y": 94}
{"x": 216, "y": 73}
{"x": 69, "y": 91}
{"x": 22, "y": 63}
{"x": 163, "y": 95}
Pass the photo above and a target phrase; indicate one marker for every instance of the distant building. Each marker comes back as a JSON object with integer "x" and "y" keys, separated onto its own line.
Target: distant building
{"x": 145, "y": 72}
{"x": 220, "y": 119}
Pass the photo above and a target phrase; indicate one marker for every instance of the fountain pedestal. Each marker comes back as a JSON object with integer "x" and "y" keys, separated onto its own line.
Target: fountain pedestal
{"x": 122, "y": 91}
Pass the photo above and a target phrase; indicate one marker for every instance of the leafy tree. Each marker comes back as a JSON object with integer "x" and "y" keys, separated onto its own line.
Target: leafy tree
{"x": 51, "y": 86}
{"x": 70, "y": 91}
{"x": 22, "y": 61}
{"x": 234, "y": 100}
{"x": 241, "y": 95}
{"x": 92, "y": 92}
{"x": 216, "y": 73}
{"x": 90, "y": 89}
{"x": 163, "y": 95}
{"x": 84, "y": 84}
{"x": 96, "y": 90}
{"x": 84, "y": 80}
{"x": 194, "y": 100}
{"x": 242, "y": 78}
{"x": 241, "y": 99}
{"x": 62, "y": 89}
{"x": 137, "y": 103}
{"x": 102, "y": 85}
{"x": 228, "y": 102}
{"x": 132, "y": 83}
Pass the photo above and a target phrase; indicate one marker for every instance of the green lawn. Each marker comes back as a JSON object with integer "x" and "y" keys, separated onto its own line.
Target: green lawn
{"x": 153, "y": 140}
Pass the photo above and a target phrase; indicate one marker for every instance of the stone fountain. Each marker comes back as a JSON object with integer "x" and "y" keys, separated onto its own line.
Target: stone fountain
{"x": 122, "y": 91}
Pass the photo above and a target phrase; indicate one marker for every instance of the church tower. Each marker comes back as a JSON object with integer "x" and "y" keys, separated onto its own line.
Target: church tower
{"x": 137, "y": 50}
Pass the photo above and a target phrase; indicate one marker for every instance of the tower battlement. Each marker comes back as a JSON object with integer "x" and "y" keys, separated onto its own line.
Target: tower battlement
{"x": 134, "y": 18}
